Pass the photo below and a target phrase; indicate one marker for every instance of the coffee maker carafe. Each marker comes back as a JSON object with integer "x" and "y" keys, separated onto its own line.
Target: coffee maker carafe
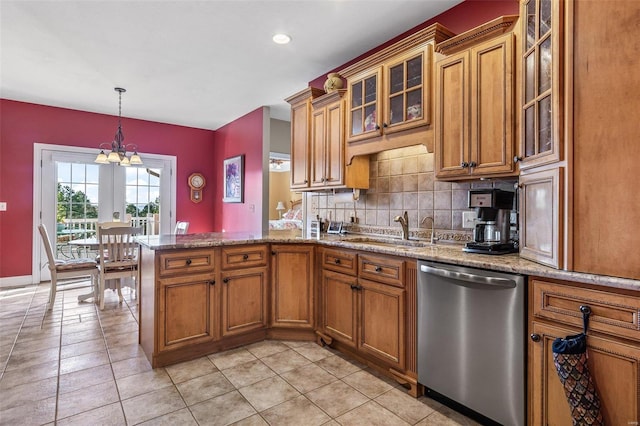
{"x": 491, "y": 234}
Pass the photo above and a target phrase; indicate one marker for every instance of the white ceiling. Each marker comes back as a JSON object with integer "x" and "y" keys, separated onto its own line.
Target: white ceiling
{"x": 193, "y": 63}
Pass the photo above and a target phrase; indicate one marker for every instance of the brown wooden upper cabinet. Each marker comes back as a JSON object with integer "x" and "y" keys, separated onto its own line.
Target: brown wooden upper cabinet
{"x": 392, "y": 97}
{"x": 301, "y": 135}
{"x": 389, "y": 94}
{"x": 475, "y": 103}
{"x": 541, "y": 109}
{"x": 328, "y": 168}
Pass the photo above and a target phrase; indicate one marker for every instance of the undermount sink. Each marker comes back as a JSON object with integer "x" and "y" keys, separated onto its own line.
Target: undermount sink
{"x": 405, "y": 244}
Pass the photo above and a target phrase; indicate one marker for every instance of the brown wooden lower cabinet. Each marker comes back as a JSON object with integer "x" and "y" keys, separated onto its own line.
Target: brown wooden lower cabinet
{"x": 364, "y": 315}
{"x": 614, "y": 366}
{"x": 188, "y": 312}
{"x": 244, "y": 300}
{"x": 381, "y": 322}
{"x": 339, "y": 306}
{"x": 292, "y": 286}
{"x": 365, "y": 310}
{"x": 613, "y": 349}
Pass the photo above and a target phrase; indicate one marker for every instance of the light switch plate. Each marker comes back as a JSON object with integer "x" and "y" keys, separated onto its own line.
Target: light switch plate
{"x": 3, "y": 206}
{"x": 468, "y": 219}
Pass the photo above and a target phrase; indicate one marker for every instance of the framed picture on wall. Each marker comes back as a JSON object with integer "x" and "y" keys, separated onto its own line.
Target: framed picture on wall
{"x": 233, "y": 179}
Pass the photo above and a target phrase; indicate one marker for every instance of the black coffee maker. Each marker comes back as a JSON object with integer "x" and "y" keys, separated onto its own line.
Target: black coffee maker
{"x": 491, "y": 234}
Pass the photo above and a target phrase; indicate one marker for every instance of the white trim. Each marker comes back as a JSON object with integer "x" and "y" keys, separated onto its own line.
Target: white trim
{"x": 170, "y": 162}
{"x": 20, "y": 281}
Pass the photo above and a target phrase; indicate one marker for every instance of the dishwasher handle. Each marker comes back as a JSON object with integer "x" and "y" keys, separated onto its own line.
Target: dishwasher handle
{"x": 471, "y": 278}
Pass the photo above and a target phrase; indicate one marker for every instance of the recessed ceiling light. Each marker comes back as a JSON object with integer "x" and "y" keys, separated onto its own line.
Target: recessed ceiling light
{"x": 281, "y": 38}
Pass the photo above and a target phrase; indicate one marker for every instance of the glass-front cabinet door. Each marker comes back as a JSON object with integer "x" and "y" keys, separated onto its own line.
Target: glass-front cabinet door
{"x": 406, "y": 88}
{"x": 364, "y": 105}
{"x": 541, "y": 109}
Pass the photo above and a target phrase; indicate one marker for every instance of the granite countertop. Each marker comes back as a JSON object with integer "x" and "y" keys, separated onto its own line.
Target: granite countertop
{"x": 445, "y": 253}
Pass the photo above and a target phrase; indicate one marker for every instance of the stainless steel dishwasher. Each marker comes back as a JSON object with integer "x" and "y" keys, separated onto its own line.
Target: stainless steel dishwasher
{"x": 471, "y": 339}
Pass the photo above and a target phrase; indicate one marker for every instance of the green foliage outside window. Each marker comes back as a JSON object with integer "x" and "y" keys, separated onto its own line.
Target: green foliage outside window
{"x": 74, "y": 205}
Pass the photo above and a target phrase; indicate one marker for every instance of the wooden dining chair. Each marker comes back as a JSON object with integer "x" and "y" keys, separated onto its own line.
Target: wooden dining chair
{"x": 118, "y": 257}
{"x": 66, "y": 269}
{"x": 181, "y": 228}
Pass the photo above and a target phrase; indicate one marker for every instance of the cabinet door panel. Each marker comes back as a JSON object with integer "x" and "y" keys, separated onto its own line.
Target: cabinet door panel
{"x": 187, "y": 313}
{"x": 542, "y": 56}
{"x": 244, "y": 304}
{"x": 408, "y": 91}
{"x": 300, "y": 114}
{"x": 452, "y": 115}
{"x": 334, "y": 149}
{"x": 614, "y": 366}
{"x": 339, "y": 307}
{"x": 364, "y": 105}
{"x": 492, "y": 142}
{"x": 381, "y": 331}
{"x": 318, "y": 138}
{"x": 540, "y": 223}
{"x": 292, "y": 286}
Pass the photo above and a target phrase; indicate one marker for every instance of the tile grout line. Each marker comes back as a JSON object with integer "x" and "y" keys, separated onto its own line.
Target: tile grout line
{"x": 55, "y": 412}
{"x": 96, "y": 307}
{"x": 15, "y": 340}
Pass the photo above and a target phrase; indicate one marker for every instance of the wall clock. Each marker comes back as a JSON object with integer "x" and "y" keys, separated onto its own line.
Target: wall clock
{"x": 196, "y": 183}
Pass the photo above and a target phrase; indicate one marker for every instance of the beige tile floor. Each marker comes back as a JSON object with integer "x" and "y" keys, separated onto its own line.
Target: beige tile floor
{"x": 77, "y": 365}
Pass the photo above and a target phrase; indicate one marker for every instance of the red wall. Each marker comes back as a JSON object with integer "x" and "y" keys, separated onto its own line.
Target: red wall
{"x": 242, "y": 136}
{"x": 465, "y": 16}
{"x": 23, "y": 124}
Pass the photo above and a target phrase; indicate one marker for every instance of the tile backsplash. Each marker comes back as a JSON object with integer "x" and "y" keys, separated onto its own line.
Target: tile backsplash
{"x": 404, "y": 180}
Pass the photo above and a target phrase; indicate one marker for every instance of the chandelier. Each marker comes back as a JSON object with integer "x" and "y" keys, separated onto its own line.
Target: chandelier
{"x": 118, "y": 152}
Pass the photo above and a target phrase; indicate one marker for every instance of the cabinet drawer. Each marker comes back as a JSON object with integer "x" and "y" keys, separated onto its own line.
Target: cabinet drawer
{"x": 244, "y": 256}
{"x": 611, "y": 313}
{"x": 186, "y": 262}
{"x": 339, "y": 261}
{"x": 382, "y": 269}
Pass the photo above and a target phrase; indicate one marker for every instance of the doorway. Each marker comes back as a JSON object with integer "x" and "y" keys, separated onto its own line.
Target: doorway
{"x": 72, "y": 195}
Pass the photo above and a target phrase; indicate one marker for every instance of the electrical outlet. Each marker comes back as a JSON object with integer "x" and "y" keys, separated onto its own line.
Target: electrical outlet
{"x": 468, "y": 219}
{"x": 3, "y": 206}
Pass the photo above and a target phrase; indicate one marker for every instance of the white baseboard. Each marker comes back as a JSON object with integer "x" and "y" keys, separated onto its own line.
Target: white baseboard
{"x": 21, "y": 281}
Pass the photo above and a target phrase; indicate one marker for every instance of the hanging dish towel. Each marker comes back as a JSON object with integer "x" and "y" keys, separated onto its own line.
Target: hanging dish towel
{"x": 570, "y": 359}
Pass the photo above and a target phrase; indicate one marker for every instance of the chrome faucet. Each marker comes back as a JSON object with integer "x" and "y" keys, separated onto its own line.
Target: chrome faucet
{"x": 431, "y": 240}
{"x": 404, "y": 222}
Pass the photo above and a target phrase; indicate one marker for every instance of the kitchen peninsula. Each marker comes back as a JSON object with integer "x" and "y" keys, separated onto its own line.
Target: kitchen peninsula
{"x": 204, "y": 293}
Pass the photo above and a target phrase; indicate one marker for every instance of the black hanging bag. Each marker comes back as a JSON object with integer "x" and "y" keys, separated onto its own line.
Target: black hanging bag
{"x": 570, "y": 359}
